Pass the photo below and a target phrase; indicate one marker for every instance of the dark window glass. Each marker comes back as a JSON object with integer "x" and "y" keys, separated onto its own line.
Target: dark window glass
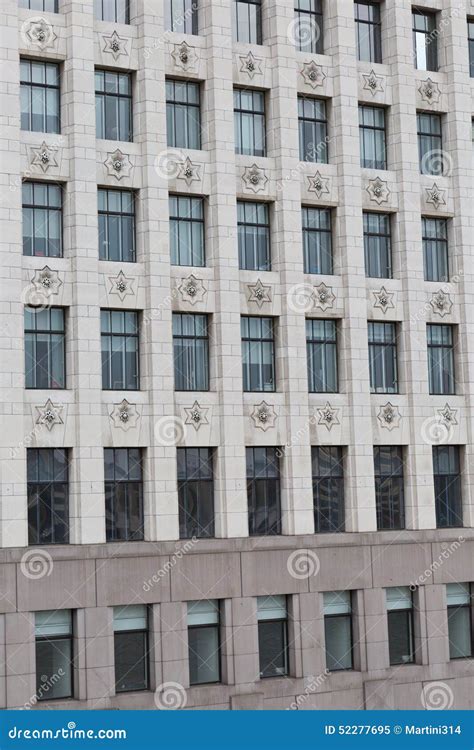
{"x": 45, "y": 340}
{"x": 328, "y": 489}
{"x": 441, "y": 359}
{"x": 401, "y": 644}
{"x": 116, "y": 225}
{"x": 117, "y": 11}
{"x": 120, "y": 350}
{"x": 253, "y": 226}
{"x": 48, "y": 496}
{"x": 49, "y": 6}
{"x": 263, "y": 491}
{"x": 430, "y": 143}
{"x": 435, "y": 249}
{"x": 113, "y": 105}
{"x": 383, "y": 357}
{"x": 195, "y": 492}
{"x": 183, "y": 114}
{"x": 368, "y": 31}
{"x": 131, "y": 648}
{"x": 54, "y": 654}
{"x": 308, "y": 28}
{"x": 425, "y": 40}
{"x": 447, "y": 486}
{"x": 338, "y": 630}
{"x": 373, "y": 152}
{"x": 42, "y": 219}
{"x": 249, "y": 122}
{"x": 258, "y": 354}
{"x": 247, "y": 21}
{"x": 321, "y": 347}
{"x": 317, "y": 240}
{"x": 272, "y": 636}
{"x": 313, "y": 130}
{"x": 389, "y": 487}
{"x": 181, "y": 16}
{"x": 460, "y": 621}
{"x": 204, "y": 642}
{"x": 191, "y": 352}
{"x": 123, "y": 494}
{"x": 470, "y": 33}
{"x": 377, "y": 245}
{"x": 187, "y": 231}
{"x": 39, "y": 96}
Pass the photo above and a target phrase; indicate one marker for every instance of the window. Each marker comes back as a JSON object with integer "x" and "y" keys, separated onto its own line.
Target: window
{"x": 425, "y": 40}
{"x": 253, "y": 226}
{"x": 48, "y": 6}
{"x": 247, "y": 21}
{"x": 39, "y": 96}
{"x": 377, "y": 245}
{"x": 328, "y": 489}
{"x": 317, "y": 240}
{"x": 313, "y": 130}
{"x": 195, "y": 492}
{"x": 441, "y": 359}
{"x": 183, "y": 114}
{"x": 460, "y": 625}
{"x": 258, "y": 354}
{"x": 113, "y": 105}
{"x": 372, "y": 137}
{"x": 470, "y": 30}
{"x": 120, "y": 350}
{"x": 263, "y": 491}
{"x": 321, "y": 347}
{"x": 187, "y": 231}
{"x": 48, "y": 496}
{"x": 131, "y": 648}
{"x": 389, "y": 489}
{"x": 42, "y": 219}
{"x": 435, "y": 249}
{"x": 249, "y": 122}
{"x": 116, "y": 225}
{"x": 447, "y": 486}
{"x": 45, "y": 340}
{"x": 401, "y": 644}
{"x": 383, "y": 357}
{"x": 123, "y": 494}
{"x": 368, "y": 32}
{"x": 430, "y": 143}
{"x": 308, "y": 29}
{"x": 191, "y": 352}
{"x": 117, "y": 11}
{"x": 338, "y": 630}
{"x": 181, "y": 16}
{"x": 272, "y": 615}
{"x": 204, "y": 642}
{"x": 54, "y": 654}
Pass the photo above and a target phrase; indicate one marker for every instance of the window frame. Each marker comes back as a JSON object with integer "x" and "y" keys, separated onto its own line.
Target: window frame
{"x": 370, "y": 236}
{"x": 313, "y": 123}
{"x": 145, "y": 633}
{"x": 176, "y": 219}
{"x": 192, "y": 135}
{"x": 185, "y": 531}
{"x": 193, "y": 339}
{"x": 430, "y": 39}
{"x": 309, "y": 19}
{"x": 325, "y": 347}
{"x": 373, "y": 29}
{"x": 182, "y": 15}
{"x": 470, "y": 44}
{"x": 433, "y": 167}
{"x": 379, "y": 354}
{"x": 101, "y": 98}
{"x": 445, "y": 377}
{"x": 108, "y": 214}
{"x": 49, "y": 209}
{"x": 50, "y": 333}
{"x": 110, "y": 486}
{"x": 456, "y": 607}
{"x": 51, "y": 639}
{"x": 254, "y": 480}
{"x": 208, "y": 626}
{"x": 252, "y": 344}
{"x": 347, "y": 615}
{"x": 35, "y": 490}
{"x": 323, "y": 235}
{"x": 26, "y": 4}
{"x": 379, "y": 137}
{"x": 282, "y": 622}
{"x": 435, "y": 245}
{"x": 119, "y": 17}
{"x": 394, "y": 454}
{"x": 256, "y": 33}
{"x": 335, "y": 485}
{"x": 125, "y": 336}
{"x": 446, "y": 483}
{"x": 410, "y": 632}
{"x": 43, "y": 87}
{"x": 256, "y": 116}
{"x": 243, "y": 235}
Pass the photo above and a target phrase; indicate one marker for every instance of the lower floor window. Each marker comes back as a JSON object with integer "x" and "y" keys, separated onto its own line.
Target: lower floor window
{"x": 401, "y": 643}
{"x": 460, "y": 622}
{"x": 54, "y": 654}
{"x": 131, "y": 648}
{"x": 204, "y": 642}
{"x": 272, "y": 635}
{"x": 338, "y": 630}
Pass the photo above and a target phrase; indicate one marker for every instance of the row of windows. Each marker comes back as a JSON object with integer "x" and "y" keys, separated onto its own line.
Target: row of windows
{"x": 133, "y": 634}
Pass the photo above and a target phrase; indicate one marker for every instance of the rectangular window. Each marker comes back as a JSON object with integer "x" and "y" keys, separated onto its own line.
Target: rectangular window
{"x": 120, "y": 350}
{"x": 131, "y": 648}
{"x": 447, "y": 486}
{"x": 401, "y": 642}
{"x": 249, "y": 122}
{"x": 328, "y": 489}
{"x": 368, "y": 31}
{"x": 181, "y": 16}
{"x": 460, "y": 601}
{"x": 187, "y": 231}
{"x": 204, "y": 642}
{"x": 263, "y": 491}
{"x": 195, "y": 492}
{"x": 321, "y": 347}
{"x": 39, "y": 96}
{"x": 54, "y": 654}
{"x": 383, "y": 357}
{"x": 116, "y": 11}
{"x": 317, "y": 240}
{"x": 183, "y": 114}
{"x": 308, "y": 28}
{"x": 247, "y": 21}
{"x": 373, "y": 151}
{"x": 272, "y": 616}
{"x": 441, "y": 359}
{"x": 48, "y": 6}
{"x": 313, "y": 130}
{"x": 258, "y": 354}
{"x": 191, "y": 352}
{"x": 338, "y": 630}
{"x": 42, "y": 219}
{"x": 389, "y": 487}
{"x": 430, "y": 143}
{"x": 123, "y": 494}
{"x": 435, "y": 249}
{"x": 45, "y": 341}
{"x": 470, "y": 34}
{"x": 48, "y": 496}
{"x": 113, "y": 105}
{"x": 253, "y": 228}
{"x": 425, "y": 40}
{"x": 377, "y": 245}
{"x": 116, "y": 225}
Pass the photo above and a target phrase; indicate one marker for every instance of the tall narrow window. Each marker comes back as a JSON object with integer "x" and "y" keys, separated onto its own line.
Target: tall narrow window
{"x": 123, "y": 494}
{"x": 368, "y": 31}
{"x": 204, "y": 642}
{"x": 308, "y": 29}
{"x": 42, "y": 219}
{"x": 113, "y": 105}
{"x": 39, "y": 96}
{"x": 317, "y": 240}
{"x": 186, "y": 231}
{"x": 247, "y": 21}
{"x": 425, "y": 40}
{"x": 116, "y": 11}
{"x": 470, "y": 36}
{"x": 435, "y": 249}
{"x": 441, "y": 359}
{"x": 447, "y": 486}
{"x": 383, "y": 357}
{"x": 116, "y": 225}
{"x": 389, "y": 487}
{"x": 45, "y": 340}
{"x": 131, "y": 648}
{"x": 249, "y": 122}
{"x": 338, "y": 630}
{"x": 48, "y": 496}
{"x": 48, "y": 6}
{"x": 258, "y": 354}
{"x": 401, "y": 641}
{"x": 272, "y": 615}
{"x": 183, "y": 114}
{"x": 321, "y": 346}
{"x": 377, "y": 245}
{"x": 430, "y": 143}
{"x": 313, "y": 130}
{"x": 195, "y": 492}
{"x": 373, "y": 151}
{"x": 181, "y": 16}
{"x": 54, "y": 654}
{"x": 460, "y": 602}
{"x": 328, "y": 489}
{"x": 253, "y": 227}
{"x": 263, "y": 491}
{"x": 120, "y": 350}
{"x": 191, "y": 352}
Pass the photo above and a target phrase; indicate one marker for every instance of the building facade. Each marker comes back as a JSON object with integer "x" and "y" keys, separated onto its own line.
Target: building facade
{"x": 237, "y": 354}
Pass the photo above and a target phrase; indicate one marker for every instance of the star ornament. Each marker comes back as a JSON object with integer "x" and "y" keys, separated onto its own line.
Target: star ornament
{"x": 448, "y": 415}
{"x": 389, "y": 416}
{"x": 44, "y": 157}
{"x": 435, "y": 196}
{"x": 196, "y": 415}
{"x": 264, "y": 416}
{"x": 124, "y": 415}
{"x": 49, "y": 415}
{"x": 318, "y": 185}
{"x": 328, "y": 416}
{"x": 384, "y": 299}
{"x": 259, "y": 293}
{"x": 115, "y": 45}
{"x": 251, "y": 65}
{"x": 373, "y": 82}
{"x": 121, "y": 286}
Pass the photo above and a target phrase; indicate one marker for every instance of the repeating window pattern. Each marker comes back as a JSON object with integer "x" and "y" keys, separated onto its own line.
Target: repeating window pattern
{"x": 328, "y": 489}
{"x": 308, "y": 31}
{"x": 183, "y": 114}
{"x": 48, "y": 6}
{"x": 181, "y": 16}
{"x": 317, "y": 240}
{"x": 247, "y": 21}
{"x": 191, "y": 352}
{"x": 263, "y": 491}
{"x": 258, "y": 354}
{"x": 253, "y": 228}
{"x": 441, "y": 359}
{"x": 430, "y": 143}
{"x": 435, "y": 249}
{"x": 401, "y": 640}
{"x": 131, "y": 648}
{"x": 117, "y": 11}
{"x": 45, "y": 339}
{"x": 425, "y": 41}
{"x": 373, "y": 152}
{"x": 377, "y": 245}
{"x": 42, "y": 219}
{"x": 113, "y": 105}
{"x": 195, "y": 492}
{"x": 39, "y": 96}
{"x": 460, "y": 602}
{"x": 116, "y": 225}
{"x": 389, "y": 487}
{"x": 368, "y": 31}
{"x": 54, "y": 654}
{"x": 123, "y": 494}
{"x": 48, "y": 496}
{"x": 338, "y": 630}
{"x": 383, "y": 357}
{"x": 272, "y": 616}
{"x": 249, "y": 122}
{"x": 187, "y": 231}
{"x": 120, "y": 350}
{"x": 313, "y": 130}
{"x": 204, "y": 642}
{"x": 447, "y": 485}
{"x": 321, "y": 345}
